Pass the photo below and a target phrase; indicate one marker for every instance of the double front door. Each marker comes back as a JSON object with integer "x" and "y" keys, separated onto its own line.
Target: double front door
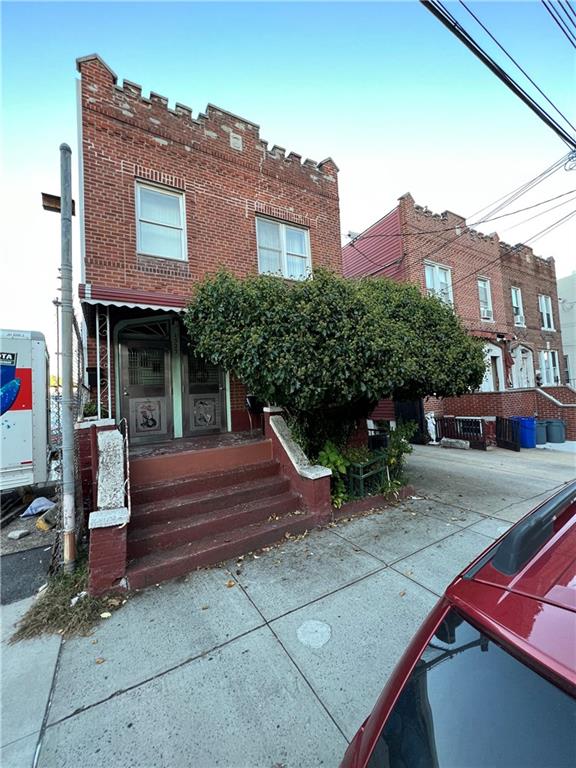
{"x": 165, "y": 390}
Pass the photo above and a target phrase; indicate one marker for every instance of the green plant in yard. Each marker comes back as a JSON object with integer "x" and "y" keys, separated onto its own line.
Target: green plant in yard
{"x": 328, "y": 348}
{"x": 335, "y": 460}
{"x": 398, "y": 448}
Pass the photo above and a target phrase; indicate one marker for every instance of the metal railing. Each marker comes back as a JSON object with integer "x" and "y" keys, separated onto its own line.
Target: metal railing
{"x": 456, "y": 428}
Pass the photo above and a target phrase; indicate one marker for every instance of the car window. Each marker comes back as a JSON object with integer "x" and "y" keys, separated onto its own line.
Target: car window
{"x": 470, "y": 704}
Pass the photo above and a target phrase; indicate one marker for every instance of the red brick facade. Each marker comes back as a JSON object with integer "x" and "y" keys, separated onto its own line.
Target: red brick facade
{"x": 126, "y": 137}
{"x": 228, "y": 175}
{"x": 410, "y": 236}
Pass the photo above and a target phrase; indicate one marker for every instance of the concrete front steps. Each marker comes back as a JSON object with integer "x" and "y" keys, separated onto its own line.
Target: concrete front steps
{"x": 196, "y": 520}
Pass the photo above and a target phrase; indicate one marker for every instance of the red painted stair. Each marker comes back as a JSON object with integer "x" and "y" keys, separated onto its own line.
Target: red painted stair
{"x": 193, "y": 522}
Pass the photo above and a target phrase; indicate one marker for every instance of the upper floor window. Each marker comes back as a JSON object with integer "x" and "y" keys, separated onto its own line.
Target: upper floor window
{"x": 160, "y": 222}
{"x": 439, "y": 281}
{"x": 547, "y": 318}
{"x": 517, "y": 307}
{"x": 283, "y": 249}
{"x": 485, "y": 297}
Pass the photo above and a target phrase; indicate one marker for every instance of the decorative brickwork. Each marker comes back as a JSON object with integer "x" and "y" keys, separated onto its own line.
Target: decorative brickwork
{"x": 126, "y": 136}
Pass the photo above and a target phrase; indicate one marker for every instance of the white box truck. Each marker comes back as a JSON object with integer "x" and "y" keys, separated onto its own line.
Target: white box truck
{"x": 24, "y": 409}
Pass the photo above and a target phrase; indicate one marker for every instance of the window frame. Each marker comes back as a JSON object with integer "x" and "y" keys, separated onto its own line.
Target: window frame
{"x": 520, "y": 306}
{"x": 490, "y": 309}
{"x": 283, "y": 225}
{"x": 542, "y": 298}
{"x": 181, "y": 196}
{"x": 433, "y": 291}
{"x": 553, "y": 368}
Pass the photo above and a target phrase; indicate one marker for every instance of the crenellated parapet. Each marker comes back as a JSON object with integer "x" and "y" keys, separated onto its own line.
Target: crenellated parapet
{"x": 214, "y": 131}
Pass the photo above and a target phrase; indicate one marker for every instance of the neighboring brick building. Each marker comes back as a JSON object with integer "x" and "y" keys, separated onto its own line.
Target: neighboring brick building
{"x": 503, "y": 294}
{"x": 167, "y": 199}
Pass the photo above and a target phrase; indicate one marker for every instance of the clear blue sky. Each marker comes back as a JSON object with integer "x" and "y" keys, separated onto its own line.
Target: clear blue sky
{"x": 381, "y": 87}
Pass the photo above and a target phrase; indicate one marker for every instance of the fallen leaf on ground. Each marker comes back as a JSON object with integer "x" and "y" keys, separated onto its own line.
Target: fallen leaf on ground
{"x": 230, "y": 583}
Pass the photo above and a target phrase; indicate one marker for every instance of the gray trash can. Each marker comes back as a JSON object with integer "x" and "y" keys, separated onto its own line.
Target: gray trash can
{"x": 555, "y": 431}
{"x": 541, "y": 425}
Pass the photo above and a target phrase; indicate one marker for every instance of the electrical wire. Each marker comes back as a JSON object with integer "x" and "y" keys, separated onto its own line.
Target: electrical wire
{"x": 572, "y": 11}
{"x": 569, "y": 13}
{"x": 512, "y": 248}
{"x": 540, "y": 213}
{"x": 568, "y": 34}
{"x": 468, "y": 226}
{"x": 500, "y": 203}
{"x": 513, "y": 60}
{"x": 451, "y": 23}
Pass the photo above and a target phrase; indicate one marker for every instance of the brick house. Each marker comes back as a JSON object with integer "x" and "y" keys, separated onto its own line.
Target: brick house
{"x": 168, "y": 198}
{"x": 504, "y": 294}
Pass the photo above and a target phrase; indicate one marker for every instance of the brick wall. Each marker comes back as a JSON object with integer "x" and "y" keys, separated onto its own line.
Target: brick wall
{"x": 520, "y": 402}
{"x": 126, "y": 137}
{"x": 533, "y": 275}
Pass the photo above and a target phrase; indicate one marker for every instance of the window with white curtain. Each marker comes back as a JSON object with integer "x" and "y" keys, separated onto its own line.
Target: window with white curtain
{"x": 283, "y": 249}
{"x": 161, "y": 227}
{"x": 549, "y": 369}
{"x": 439, "y": 281}
{"x": 485, "y": 298}
{"x": 546, "y": 316}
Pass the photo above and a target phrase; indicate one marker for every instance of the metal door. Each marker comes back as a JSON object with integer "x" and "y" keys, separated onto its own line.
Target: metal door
{"x": 203, "y": 396}
{"x": 146, "y": 392}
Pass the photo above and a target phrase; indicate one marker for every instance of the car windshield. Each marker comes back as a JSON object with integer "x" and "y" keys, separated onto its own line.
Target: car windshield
{"x": 469, "y": 704}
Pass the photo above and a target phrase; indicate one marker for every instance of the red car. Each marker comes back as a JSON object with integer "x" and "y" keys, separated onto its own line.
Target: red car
{"x": 489, "y": 681}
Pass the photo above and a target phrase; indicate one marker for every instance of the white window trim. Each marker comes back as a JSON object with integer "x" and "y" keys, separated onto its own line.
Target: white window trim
{"x": 489, "y": 318}
{"x": 180, "y": 194}
{"x": 284, "y": 251}
{"x": 542, "y": 301}
{"x": 433, "y": 291}
{"x": 520, "y": 305}
{"x": 553, "y": 369}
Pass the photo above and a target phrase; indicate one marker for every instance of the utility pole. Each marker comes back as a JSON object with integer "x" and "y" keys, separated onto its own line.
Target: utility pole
{"x": 68, "y": 511}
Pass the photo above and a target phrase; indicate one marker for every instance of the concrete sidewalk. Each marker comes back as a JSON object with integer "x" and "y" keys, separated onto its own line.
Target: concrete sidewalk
{"x": 280, "y": 669}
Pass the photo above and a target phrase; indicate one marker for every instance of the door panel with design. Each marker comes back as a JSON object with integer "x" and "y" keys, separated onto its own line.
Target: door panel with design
{"x": 146, "y": 390}
{"x": 203, "y": 396}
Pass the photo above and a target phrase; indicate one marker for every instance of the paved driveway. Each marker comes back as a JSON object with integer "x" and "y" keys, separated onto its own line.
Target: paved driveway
{"x": 280, "y": 669}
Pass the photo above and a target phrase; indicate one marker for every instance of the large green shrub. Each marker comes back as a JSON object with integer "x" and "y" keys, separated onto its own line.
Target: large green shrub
{"x": 327, "y": 349}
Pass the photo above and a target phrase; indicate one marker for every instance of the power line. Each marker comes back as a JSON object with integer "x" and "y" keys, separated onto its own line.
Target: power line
{"x": 446, "y": 18}
{"x": 468, "y": 226}
{"x": 512, "y": 248}
{"x": 572, "y": 11}
{"x": 513, "y": 60}
{"x": 569, "y": 13}
{"x": 567, "y": 32}
{"x": 499, "y": 203}
{"x": 540, "y": 213}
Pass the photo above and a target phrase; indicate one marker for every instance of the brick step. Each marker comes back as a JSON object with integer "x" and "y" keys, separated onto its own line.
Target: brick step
{"x": 208, "y": 501}
{"x": 164, "y": 467}
{"x": 172, "y": 563}
{"x": 144, "y": 493}
{"x": 176, "y": 533}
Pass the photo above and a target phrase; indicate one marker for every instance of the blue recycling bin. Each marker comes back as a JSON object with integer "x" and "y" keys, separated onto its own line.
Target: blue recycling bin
{"x": 527, "y": 431}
